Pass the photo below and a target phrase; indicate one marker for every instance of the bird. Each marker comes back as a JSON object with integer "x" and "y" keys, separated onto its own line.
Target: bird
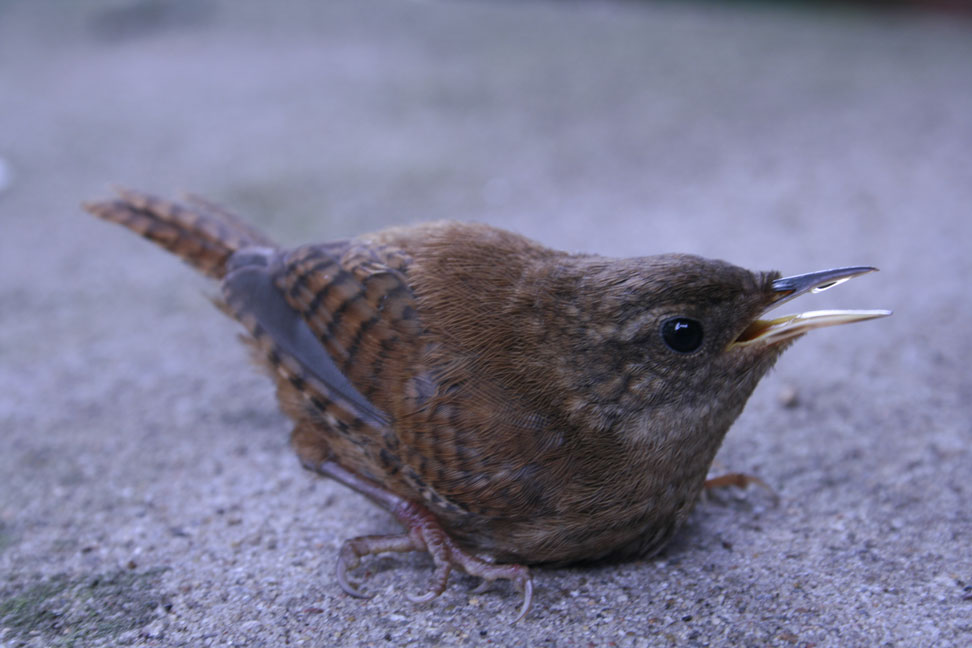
{"x": 510, "y": 405}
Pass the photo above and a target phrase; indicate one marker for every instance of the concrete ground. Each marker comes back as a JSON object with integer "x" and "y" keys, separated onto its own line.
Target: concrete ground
{"x": 148, "y": 495}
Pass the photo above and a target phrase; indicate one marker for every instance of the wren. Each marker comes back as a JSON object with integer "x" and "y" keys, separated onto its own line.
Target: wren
{"x": 509, "y": 404}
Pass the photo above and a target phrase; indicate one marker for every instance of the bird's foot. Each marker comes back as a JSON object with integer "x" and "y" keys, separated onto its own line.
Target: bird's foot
{"x": 739, "y": 480}
{"x": 426, "y": 534}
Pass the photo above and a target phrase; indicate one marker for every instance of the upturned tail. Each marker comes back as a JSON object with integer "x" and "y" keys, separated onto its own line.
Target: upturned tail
{"x": 204, "y": 235}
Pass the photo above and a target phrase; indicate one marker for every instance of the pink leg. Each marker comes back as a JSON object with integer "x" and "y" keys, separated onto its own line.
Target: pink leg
{"x": 424, "y": 533}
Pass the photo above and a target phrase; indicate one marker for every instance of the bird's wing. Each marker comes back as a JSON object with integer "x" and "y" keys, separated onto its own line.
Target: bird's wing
{"x": 341, "y": 323}
{"x": 252, "y": 291}
{"x": 360, "y": 309}
{"x": 274, "y": 295}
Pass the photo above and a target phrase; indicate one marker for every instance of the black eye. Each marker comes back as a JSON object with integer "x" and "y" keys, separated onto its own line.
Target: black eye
{"x": 682, "y": 334}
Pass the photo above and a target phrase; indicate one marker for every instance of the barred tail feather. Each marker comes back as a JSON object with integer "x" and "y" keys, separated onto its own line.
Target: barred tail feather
{"x": 201, "y": 233}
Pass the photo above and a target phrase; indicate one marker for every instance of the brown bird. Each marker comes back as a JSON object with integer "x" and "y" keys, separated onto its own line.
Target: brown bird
{"x": 509, "y": 404}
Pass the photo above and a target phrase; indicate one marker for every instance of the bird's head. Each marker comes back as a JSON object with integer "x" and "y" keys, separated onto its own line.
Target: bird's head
{"x": 678, "y": 342}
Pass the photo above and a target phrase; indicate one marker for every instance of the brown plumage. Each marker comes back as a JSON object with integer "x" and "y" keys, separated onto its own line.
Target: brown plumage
{"x": 508, "y": 403}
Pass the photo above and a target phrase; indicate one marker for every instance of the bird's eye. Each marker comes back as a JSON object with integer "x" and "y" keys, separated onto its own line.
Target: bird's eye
{"x": 682, "y": 334}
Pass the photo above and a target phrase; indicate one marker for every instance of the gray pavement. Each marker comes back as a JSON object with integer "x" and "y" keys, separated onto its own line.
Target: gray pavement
{"x": 148, "y": 495}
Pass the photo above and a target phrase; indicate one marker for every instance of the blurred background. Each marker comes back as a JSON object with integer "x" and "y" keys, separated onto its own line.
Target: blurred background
{"x": 648, "y": 117}
{"x": 138, "y": 445}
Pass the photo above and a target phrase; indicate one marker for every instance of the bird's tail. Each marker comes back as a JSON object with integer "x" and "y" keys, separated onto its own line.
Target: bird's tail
{"x": 204, "y": 235}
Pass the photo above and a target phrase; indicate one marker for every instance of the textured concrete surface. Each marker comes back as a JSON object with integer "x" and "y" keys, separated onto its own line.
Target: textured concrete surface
{"x": 147, "y": 492}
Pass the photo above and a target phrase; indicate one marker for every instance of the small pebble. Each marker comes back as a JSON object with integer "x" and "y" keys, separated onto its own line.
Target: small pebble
{"x": 788, "y": 397}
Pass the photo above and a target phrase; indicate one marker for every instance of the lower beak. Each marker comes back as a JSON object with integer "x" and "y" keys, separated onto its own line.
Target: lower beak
{"x": 766, "y": 332}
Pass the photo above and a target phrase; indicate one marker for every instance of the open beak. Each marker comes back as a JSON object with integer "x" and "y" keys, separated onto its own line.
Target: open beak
{"x": 765, "y": 332}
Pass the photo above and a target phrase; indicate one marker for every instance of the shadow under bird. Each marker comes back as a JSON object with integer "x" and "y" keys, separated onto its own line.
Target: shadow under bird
{"x": 507, "y": 403}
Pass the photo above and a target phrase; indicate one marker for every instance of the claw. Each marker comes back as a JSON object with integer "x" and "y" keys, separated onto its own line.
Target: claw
{"x": 483, "y": 587}
{"x": 424, "y": 598}
{"x": 437, "y": 584}
{"x": 352, "y": 551}
{"x": 349, "y": 589}
{"x": 527, "y": 588}
{"x": 349, "y": 559}
{"x": 740, "y": 480}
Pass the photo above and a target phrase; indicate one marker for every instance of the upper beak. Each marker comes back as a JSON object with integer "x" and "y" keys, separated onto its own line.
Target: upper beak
{"x": 785, "y": 328}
